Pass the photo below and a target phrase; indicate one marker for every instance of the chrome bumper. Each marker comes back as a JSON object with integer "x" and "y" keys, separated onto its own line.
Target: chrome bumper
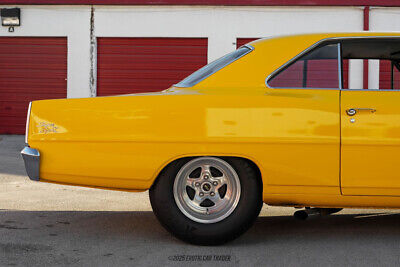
{"x": 31, "y": 158}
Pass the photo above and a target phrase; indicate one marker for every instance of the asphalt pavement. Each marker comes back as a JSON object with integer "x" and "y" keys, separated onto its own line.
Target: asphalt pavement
{"x": 49, "y": 225}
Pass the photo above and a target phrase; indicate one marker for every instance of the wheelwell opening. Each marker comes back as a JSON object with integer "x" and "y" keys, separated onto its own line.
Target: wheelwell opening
{"x": 178, "y": 163}
{"x": 255, "y": 168}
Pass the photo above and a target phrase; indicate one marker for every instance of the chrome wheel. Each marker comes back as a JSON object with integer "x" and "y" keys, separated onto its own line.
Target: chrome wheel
{"x": 207, "y": 189}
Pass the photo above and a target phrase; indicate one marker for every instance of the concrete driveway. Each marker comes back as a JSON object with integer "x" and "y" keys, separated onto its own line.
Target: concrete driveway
{"x": 44, "y": 225}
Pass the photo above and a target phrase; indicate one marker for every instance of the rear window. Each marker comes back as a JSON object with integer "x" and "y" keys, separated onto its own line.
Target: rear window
{"x": 213, "y": 67}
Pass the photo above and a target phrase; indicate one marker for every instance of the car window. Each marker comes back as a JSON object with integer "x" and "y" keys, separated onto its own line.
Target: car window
{"x": 213, "y": 67}
{"x": 387, "y": 74}
{"x": 316, "y": 69}
{"x": 373, "y": 63}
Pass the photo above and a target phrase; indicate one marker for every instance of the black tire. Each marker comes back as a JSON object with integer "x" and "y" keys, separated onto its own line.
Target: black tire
{"x": 240, "y": 220}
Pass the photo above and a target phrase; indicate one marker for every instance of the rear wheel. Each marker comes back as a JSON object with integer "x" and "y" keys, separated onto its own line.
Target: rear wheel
{"x": 207, "y": 200}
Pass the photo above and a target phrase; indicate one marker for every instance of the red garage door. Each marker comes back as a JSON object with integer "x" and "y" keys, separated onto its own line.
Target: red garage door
{"x": 30, "y": 69}
{"x": 133, "y": 65}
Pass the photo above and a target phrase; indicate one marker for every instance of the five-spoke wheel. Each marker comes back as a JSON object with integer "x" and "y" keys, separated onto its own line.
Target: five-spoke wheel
{"x": 207, "y": 190}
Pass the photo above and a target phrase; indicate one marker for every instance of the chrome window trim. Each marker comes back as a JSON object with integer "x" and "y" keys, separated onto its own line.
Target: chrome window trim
{"x": 28, "y": 116}
{"x": 251, "y": 48}
{"x": 305, "y": 51}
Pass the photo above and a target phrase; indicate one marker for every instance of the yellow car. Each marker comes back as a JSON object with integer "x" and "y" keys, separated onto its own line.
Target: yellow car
{"x": 275, "y": 121}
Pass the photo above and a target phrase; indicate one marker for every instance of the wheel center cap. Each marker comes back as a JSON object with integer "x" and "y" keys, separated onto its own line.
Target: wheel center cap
{"x": 206, "y": 187}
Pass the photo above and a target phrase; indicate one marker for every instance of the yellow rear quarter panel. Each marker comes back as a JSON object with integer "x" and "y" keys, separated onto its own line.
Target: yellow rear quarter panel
{"x": 123, "y": 142}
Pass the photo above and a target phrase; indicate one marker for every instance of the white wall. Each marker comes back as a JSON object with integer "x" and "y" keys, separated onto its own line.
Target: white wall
{"x": 72, "y": 22}
{"x": 384, "y": 19}
{"x": 356, "y": 67}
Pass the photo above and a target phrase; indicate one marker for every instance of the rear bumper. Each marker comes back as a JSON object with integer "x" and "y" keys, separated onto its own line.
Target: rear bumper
{"x": 31, "y": 158}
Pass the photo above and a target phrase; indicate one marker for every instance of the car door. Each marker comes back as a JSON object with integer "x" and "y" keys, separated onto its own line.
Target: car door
{"x": 304, "y": 119}
{"x": 370, "y": 141}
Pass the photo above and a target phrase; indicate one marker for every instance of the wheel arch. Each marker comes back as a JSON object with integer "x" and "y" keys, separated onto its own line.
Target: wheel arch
{"x": 184, "y": 159}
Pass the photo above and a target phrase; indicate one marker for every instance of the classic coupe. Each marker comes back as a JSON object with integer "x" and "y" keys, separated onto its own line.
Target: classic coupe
{"x": 278, "y": 121}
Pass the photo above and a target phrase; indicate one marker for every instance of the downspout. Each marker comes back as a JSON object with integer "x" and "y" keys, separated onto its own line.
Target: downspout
{"x": 93, "y": 57}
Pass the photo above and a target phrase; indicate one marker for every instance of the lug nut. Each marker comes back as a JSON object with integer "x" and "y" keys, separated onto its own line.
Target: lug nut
{"x": 215, "y": 183}
{"x": 206, "y": 177}
{"x": 197, "y": 184}
{"x": 212, "y": 194}
{"x": 201, "y": 194}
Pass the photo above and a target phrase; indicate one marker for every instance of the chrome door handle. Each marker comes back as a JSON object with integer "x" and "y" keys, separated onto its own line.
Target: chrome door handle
{"x": 353, "y": 111}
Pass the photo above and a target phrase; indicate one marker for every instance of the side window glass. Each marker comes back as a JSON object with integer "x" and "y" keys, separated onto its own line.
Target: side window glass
{"x": 389, "y": 74}
{"x": 386, "y": 72}
{"x": 372, "y": 63}
{"x": 317, "y": 69}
